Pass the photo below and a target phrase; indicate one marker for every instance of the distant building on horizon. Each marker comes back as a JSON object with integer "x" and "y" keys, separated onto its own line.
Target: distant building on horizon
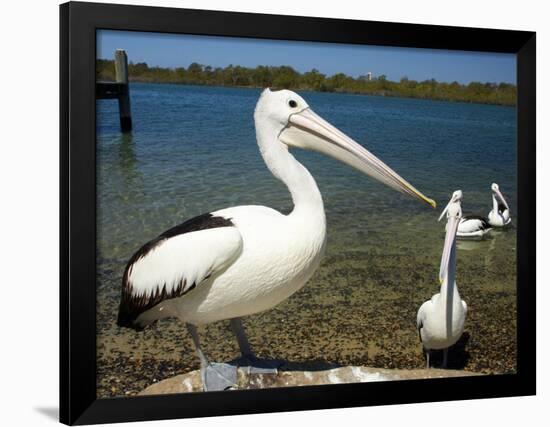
{"x": 366, "y": 77}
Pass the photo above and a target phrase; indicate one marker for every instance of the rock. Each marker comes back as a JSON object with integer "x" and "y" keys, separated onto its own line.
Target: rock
{"x": 291, "y": 376}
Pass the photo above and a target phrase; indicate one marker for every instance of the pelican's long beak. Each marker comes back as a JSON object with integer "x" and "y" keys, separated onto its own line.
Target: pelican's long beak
{"x": 446, "y": 209}
{"x": 309, "y": 131}
{"x": 450, "y": 236}
{"x": 501, "y": 197}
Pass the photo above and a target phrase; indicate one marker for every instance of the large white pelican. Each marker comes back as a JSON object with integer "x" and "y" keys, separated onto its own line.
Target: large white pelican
{"x": 500, "y": 214}
{"x": 440, "y": 320}
{"x": 245, "y": 259}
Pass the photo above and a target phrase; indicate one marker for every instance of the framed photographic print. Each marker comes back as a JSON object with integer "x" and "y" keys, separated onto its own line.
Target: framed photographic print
{"x": 273, "y": 213}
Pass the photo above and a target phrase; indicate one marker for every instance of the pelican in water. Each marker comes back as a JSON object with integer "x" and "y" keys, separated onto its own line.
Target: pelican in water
{"x": 473, "y": 227}
{"x": 500, "y": 214}
{"x": 242, "y": 260}
{"x": 440, "y": 320}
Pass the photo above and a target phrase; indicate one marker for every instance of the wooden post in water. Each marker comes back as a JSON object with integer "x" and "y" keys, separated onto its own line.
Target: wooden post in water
{"x": 121, "y": 76}
{"x": 120, "y": 89}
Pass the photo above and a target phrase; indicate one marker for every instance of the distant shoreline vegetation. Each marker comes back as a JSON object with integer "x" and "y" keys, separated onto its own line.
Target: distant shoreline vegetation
{"x": 288, "y": 78}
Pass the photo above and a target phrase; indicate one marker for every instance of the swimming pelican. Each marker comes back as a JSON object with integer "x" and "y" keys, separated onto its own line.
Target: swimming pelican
{"x": 500, "y": 215}
{"x": 242, "y": 260}
{"x": 440, "y": 320}
{"x": 473, "y": 227}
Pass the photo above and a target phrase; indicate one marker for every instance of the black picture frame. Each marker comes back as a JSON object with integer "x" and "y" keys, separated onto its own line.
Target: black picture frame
{"x": 78, "y": 25}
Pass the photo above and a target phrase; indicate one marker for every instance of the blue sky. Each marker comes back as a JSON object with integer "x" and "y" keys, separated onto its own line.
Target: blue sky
{"x": 174, "y": 50}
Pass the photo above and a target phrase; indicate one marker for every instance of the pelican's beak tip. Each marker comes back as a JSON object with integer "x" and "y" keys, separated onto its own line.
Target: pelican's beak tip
{"x": 431, "y": 202}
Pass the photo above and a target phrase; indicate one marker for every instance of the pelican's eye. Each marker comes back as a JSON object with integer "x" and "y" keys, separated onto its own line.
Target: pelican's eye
{"x": 292, "y": 103}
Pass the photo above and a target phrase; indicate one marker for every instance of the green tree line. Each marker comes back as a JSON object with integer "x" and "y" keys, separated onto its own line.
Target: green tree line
{"x": 288, "y": 78}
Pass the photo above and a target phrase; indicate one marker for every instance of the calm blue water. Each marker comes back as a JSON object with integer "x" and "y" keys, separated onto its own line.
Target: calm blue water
{"x": 193, "y": 150}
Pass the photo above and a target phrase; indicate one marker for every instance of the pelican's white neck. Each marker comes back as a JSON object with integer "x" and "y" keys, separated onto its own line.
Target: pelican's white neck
{"x": 284, "y": 166}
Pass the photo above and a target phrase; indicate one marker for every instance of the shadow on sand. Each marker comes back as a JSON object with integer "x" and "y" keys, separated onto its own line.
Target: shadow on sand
{"x": 458, "y": 356}
{"x": 285, "y": 365}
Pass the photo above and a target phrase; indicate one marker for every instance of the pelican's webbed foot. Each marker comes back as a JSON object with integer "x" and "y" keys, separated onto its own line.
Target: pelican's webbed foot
{"x": 219, "y": 376}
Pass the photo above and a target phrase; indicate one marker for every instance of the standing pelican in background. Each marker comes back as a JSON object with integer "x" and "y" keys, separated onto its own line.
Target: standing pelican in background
{"x": 242, "y": 260}
{"x": 500, "y": 215}
{"x": 440, "y": 320}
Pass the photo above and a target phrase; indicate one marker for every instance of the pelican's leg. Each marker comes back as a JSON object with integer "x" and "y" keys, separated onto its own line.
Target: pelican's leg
{"x": 254, "y": 365}
{"x": 445, "y": 352}
{"x": 214, "y": 376}
{"x": 242, "y": 339}
{"x": 427, "y": 359}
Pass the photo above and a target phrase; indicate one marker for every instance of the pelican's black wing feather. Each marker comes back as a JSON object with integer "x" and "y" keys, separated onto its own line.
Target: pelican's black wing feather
{"x": 133, "y": 304}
